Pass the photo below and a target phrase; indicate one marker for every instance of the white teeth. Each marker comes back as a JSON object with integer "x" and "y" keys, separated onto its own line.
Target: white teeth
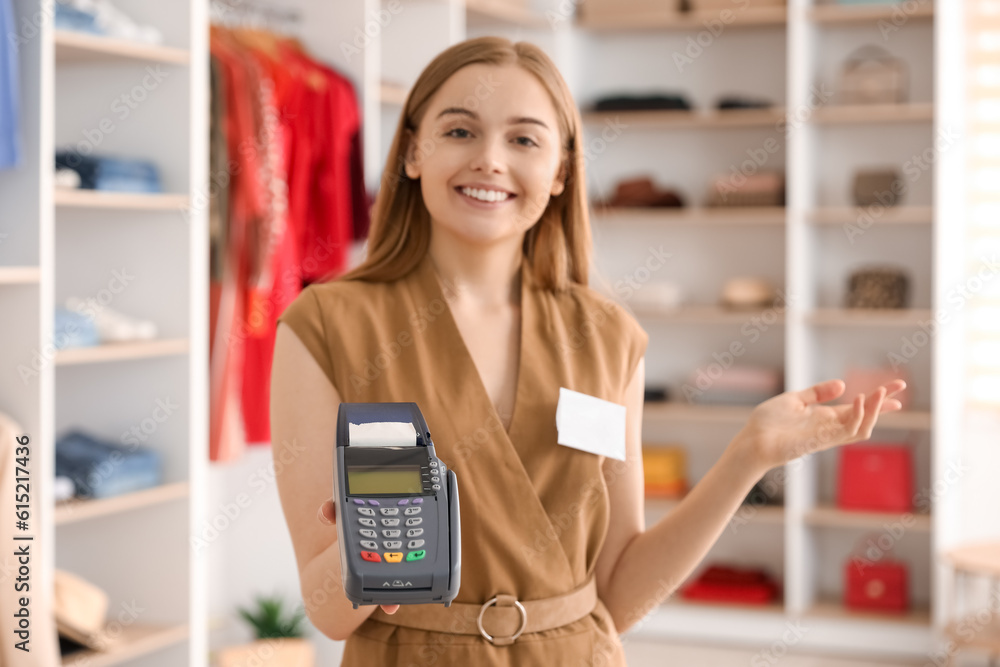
{"x": 485, "y": 195}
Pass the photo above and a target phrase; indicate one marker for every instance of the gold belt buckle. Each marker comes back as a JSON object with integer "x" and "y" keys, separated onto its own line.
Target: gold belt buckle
{"x": 504, "y": 640}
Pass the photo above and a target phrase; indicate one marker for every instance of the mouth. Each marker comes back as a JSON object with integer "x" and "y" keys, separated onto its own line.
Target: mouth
{"x": 484, "y": 198}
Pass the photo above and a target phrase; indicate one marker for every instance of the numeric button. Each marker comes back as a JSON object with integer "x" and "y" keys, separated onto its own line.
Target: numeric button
{"x": 367, "y": 532}
{"x": 389, "y": 511}
{"x": 392, "y": 522}
{"x": 412, "y": 521}
{"x": 392, "y": 544}
{"x": 367, "y": 522}
{"x": 415, "y": 532}
{"x": 410, "y": 511}
{"x": 367, "y": 511}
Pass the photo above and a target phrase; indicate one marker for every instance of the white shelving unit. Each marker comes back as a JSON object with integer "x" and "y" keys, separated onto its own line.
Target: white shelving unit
{"x": 145, "y": 255}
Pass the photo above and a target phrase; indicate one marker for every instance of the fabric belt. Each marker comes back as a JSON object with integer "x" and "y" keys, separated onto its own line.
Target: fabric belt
{"x": 502, "y": 619}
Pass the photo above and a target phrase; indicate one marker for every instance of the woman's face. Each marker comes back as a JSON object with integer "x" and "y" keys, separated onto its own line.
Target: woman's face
{"x": 488, "y": 153}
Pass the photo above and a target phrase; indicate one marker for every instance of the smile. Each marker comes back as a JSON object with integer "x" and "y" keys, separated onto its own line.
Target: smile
{"x": 485, "y": 196}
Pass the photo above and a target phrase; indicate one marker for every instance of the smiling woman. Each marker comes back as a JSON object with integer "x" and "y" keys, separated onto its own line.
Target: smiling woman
{"x": 473, "y": 302}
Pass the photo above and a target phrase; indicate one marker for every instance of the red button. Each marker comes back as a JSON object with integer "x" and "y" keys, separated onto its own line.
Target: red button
{"x": 371, "y": 556}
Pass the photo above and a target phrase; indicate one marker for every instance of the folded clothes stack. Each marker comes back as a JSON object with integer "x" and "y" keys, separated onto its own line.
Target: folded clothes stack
{"x": 85, "y": 322}
{"x": 100, "y": 17}
{"x": 101, "y": 469}
{"x": 110, "y": 173}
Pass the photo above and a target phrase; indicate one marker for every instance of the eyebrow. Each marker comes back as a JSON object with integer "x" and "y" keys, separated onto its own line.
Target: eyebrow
{"x": 514, "y": 120}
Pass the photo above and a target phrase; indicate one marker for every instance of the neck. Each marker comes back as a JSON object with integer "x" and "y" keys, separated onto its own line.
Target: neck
{"x": 485, "y": 276}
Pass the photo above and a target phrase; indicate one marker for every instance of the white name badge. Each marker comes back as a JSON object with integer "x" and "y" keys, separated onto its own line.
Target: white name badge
{"x": 590, "y": 424}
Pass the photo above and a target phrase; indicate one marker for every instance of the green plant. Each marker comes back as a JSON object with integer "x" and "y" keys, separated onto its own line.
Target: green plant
{"x": 268, "y": 619}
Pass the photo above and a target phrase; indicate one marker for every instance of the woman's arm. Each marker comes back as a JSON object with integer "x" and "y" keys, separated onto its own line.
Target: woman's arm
{"x": 304, "y": 408}
{"x": 637, "y": 568}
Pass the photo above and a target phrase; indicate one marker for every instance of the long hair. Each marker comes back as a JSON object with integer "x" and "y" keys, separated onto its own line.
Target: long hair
{"x": 557, "y": 248}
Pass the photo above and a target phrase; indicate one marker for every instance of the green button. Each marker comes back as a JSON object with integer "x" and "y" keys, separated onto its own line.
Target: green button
{"x": 416, "y": 555}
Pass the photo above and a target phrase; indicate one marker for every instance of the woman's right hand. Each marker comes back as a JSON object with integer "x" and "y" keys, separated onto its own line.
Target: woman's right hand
{"x": 328, "y": 515}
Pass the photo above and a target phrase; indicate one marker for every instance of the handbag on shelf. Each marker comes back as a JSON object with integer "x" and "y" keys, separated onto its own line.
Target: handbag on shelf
{"x": 877, "y": 287}
{"x": 871, "y": 75}
{"x": 880, "y": 586}
{"x": 875, "y": 477}
{"x": 723, "y": 583}
{"x": 664, "y": 470}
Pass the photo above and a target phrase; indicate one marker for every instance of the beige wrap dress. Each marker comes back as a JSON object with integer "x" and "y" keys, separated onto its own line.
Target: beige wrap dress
{"x": 534, "y": 514}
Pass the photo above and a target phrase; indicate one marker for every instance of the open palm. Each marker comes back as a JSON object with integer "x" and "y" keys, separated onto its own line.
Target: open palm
{"x": 795, "y": 423}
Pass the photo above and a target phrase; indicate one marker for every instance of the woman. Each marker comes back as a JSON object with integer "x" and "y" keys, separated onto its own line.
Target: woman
{"x": 473, "y": 303}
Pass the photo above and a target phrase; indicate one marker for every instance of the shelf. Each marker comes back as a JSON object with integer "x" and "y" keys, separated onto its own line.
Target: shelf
{"x": 755, "y": 215}
{"x": 134, "y": 641}
{"x": 693, "y": 20}
{"x": 19, "y": 275}
{"x": 394, "y": 94}
{"x": 671, "y": 412}
{"x": 72, "y": 511}
{"x": 491, "y": 12}
{"x": 831, "y": 517}
{"x": 122, "y": 351}
{"x": 864, "y": 317}
{"x": 78, "y": 47}
{"x": 834, "y": 609}
{"x": 668, "y": 411}
{"x": 121, "y": 200}
{"x": 763, "y": 514}
{"x": 880, "y": 215}
{"x": 684, "y": 119}
{"x": 678, "y": 602}
{"x": 847, "y": 14}
{"x": 874, "y": 113}
{"x": 704, "y": 315}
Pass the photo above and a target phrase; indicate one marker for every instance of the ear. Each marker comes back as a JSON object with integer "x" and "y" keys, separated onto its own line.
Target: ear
{"x": 410, "y": 163}
{"x": 559, "y": 183}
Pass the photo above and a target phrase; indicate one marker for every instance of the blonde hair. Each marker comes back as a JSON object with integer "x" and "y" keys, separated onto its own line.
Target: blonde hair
{"x": 557, "y": 247}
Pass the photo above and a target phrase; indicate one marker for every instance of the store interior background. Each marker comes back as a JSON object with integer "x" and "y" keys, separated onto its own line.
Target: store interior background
{"x": 759, "y": 49}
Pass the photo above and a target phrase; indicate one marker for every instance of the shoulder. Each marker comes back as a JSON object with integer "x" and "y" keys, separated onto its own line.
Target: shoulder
{"x": 592, "y": 310}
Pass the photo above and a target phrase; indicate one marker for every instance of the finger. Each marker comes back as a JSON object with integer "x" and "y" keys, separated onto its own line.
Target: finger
{"x": 390, "y": 608}
{"x": 822, "y": 392}
{"x": 857, "y": 414}
{"x": 872, "y": 409}
{"x": 894, "y": 387}
{"x": 891, "y": 405}
{"x": 326, "y": 513}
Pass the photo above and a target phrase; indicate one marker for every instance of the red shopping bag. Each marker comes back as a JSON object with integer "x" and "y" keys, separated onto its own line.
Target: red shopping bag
{"x": 875, "y": 476}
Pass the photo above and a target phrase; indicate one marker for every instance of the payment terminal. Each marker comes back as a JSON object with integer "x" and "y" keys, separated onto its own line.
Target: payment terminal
{"x": 398, "y": 522}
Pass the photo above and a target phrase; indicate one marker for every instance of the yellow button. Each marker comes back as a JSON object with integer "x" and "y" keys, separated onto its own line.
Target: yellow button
{"x": 393, "y": 557}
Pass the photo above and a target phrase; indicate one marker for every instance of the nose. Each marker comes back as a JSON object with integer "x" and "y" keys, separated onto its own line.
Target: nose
{"x": 489, "y": 156}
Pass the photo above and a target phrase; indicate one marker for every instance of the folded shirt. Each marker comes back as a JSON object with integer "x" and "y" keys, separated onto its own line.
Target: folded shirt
{"x": 102, "y": 469}
{"x": 110, "y": 173}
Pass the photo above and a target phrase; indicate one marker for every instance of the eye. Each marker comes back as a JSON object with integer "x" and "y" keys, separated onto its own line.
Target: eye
{"x": 531, "y": 142}
{"x": 451, "y": 133}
